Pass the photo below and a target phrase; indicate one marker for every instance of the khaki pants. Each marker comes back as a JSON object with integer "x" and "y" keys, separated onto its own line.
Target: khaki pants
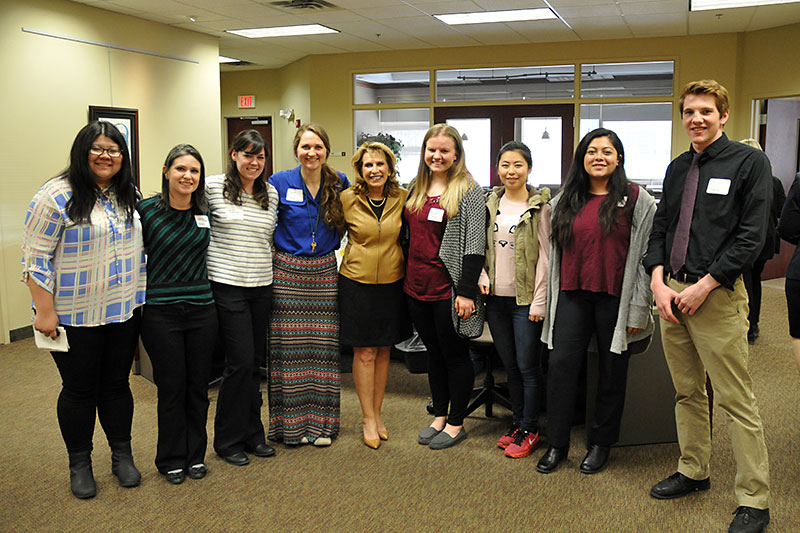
{"x": 714, "y": 340}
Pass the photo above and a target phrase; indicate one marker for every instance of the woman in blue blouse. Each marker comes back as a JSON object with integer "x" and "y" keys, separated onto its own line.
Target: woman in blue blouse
{"x": 304, "y": 330}
{"x": 84, "y": 264}
{"x": 179, "y": 326}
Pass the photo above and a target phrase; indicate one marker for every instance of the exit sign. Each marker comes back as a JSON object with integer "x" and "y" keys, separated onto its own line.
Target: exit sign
{"x": 247, "y": 101}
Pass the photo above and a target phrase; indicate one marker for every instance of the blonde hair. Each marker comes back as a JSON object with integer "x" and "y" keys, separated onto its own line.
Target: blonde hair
{"x": 752, "y": 142}
{"x": 459, "y": 180}
{"x": 375, "y": 147}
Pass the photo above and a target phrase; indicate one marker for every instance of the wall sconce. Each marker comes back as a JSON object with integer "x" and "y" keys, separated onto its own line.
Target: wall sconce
{"x": 288, "y": 113}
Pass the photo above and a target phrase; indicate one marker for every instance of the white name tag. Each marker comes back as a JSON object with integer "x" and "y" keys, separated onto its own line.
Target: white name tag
{"x": 294, "y": 195}
{"x": 436, "y": 214}
{"x": 202, "y": 221}
{"x": 718, "y": 186}
{"x": 234, "y": 213}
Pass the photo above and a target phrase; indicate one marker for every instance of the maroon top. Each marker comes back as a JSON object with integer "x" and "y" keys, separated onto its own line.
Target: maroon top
{"x": 426, "y": 275}
{"x": 594, "y": 261}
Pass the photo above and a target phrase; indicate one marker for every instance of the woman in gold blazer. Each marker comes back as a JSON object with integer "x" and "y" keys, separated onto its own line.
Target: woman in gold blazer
{"x": 372, "y": 307}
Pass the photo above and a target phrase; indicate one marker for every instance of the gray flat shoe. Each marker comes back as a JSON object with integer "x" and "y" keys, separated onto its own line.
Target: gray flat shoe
{"x": 443, "y": 440}
{"x": 426, "y": 435}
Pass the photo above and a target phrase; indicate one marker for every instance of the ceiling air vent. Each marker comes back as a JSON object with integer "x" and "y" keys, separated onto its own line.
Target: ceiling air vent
{"x": 303, "y": 4}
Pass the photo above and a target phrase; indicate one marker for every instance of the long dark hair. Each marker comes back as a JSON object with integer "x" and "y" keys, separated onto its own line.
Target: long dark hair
{"x": 575, "y": 192}
{"x": 84, "y": 187}
{"x": 330, "y": 184}
{"x": 199, "y": 195}
{"x": 249, "y": 142}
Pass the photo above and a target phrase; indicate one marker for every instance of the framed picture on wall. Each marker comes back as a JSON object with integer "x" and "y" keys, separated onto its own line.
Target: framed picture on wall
{"x": 127, "y": 122}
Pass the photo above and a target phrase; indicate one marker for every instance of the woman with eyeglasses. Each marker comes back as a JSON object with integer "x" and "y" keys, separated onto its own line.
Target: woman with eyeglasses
{"x": 84, "y": 264}
{"x": 596, "y": 287}
{"x": 243, "y": 207}
{"x": 179, "y": 323}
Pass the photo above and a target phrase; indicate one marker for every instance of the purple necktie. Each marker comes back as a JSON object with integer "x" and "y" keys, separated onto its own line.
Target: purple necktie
{"x": 677, "y": 258}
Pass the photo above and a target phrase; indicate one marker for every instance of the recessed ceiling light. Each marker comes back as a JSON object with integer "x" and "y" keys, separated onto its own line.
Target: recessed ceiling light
{"x": 225, "y": 59}
{"x": 514, "y": 15}
{"x": 704, "y": 5}
{"x": 283, "y": 31}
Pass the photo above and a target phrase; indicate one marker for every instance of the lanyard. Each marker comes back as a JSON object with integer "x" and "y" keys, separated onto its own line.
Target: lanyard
{"x": 313, "y": 228}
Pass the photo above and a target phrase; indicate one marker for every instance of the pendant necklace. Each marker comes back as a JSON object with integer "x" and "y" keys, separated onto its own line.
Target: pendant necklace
{"x": 316, "y": 222}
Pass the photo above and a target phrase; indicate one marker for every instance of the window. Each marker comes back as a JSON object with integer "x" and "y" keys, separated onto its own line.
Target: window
{"x": 606, "y": 80}
{"x": 391, "y": 87}
{"x": 646, "y": 134}
{"x": 515, "y": 83}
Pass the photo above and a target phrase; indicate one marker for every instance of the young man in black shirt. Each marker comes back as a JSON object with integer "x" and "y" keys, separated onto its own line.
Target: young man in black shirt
{"x": 709, "y": 227}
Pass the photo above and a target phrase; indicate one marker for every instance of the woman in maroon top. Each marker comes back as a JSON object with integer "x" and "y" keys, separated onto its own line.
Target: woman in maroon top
{"x": 597, "y": 288}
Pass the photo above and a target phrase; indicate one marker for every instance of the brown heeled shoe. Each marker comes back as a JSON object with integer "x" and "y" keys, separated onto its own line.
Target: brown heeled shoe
{"x": 374, "y": 444}
{"x": 383, "y": 434}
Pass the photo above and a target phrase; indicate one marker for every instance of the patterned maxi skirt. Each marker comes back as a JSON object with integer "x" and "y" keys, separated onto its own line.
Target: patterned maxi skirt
{"x": 304, "y": 349}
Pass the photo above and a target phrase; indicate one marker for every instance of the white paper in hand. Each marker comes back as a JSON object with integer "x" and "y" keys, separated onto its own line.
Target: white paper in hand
{"x": 59, "y": 344}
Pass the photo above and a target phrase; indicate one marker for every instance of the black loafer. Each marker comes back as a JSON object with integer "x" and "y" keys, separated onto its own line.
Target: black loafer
{"x": 176, "y": 477}
{"x": 596, "y": 459}
{"x": 551, "y": 459}
{"x": 238, "y": 459}
{"x": 749, "y": 520}
{"x": 262, "y": 450}
{"x": 198, "y": 471}
{"x": 678, "y": 485}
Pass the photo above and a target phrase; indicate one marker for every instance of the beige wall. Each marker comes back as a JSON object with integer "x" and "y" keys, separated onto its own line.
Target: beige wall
{"x": 48, "y": 85}
{"x": 748, "y": 64}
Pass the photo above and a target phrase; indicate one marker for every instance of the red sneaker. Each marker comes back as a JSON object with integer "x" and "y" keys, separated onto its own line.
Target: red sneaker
{"x": 509, "y": 437}
{"x": 523, "y": 445}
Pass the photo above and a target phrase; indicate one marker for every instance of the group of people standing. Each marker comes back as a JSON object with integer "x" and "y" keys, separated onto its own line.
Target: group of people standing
{"x": 250, "y": 258}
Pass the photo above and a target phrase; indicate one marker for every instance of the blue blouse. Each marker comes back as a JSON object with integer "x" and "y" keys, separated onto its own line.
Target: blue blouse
{"x": 297, "y": 216}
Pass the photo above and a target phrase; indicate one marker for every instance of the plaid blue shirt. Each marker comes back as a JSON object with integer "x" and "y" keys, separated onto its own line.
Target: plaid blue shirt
{"x": 95, "y": 271}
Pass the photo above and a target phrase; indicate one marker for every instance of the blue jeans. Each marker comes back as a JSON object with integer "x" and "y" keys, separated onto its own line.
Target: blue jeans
{"x": 517, "y": 341}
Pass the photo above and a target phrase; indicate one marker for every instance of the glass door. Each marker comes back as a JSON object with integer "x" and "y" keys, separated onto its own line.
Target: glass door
{"x": 548, "y": 130}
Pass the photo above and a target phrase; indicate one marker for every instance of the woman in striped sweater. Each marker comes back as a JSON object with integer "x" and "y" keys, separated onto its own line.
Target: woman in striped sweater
{"x": 243, "y": 210}
{"x": 179, "y": 326}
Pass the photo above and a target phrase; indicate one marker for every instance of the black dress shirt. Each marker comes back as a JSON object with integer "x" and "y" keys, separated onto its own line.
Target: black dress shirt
{"x": 730, "y": 212}
{"x": 789, "y": 226}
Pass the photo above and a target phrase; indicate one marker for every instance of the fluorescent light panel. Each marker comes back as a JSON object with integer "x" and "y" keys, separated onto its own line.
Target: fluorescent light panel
{"x": 225, "y": 59}
{"x": 705, "y": 5}
{"x": 483, "y": 17}
{"x": 283, "y": 31}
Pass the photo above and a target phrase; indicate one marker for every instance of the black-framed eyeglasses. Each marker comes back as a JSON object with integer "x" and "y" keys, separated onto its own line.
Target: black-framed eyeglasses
{"x": 98, "y": 151}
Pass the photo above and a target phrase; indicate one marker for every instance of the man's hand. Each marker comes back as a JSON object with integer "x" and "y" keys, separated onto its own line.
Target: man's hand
{"x": 663, "y": 294}
{"x": 692, "y": 297}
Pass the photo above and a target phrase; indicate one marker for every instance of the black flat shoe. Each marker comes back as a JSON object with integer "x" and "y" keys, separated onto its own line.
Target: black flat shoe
{"x": 176, "y": 477}
{"x": 198, "y": 471}
{"x": 551, "y": 458}
{"x": 678, "y": 485}
{"x": 596, "y": 459}
{"x": 262, "y": 450}
{"x": 237, "y": 459}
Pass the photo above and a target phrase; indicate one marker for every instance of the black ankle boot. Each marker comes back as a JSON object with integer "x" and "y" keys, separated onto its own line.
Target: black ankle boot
{"x": 122, "y": 464}
{"x": 81, "y": 480}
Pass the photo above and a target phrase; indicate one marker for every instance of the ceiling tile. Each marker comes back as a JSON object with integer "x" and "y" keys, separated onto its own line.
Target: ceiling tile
{"x": 664, "y": 25}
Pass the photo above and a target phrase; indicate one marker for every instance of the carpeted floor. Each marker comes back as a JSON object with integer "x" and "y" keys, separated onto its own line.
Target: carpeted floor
{"x": 400, "y": 487}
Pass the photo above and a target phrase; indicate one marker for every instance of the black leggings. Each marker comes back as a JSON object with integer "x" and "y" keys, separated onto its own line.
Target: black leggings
{"x": 450, "y": 372}
{"x": 94, "y": 375}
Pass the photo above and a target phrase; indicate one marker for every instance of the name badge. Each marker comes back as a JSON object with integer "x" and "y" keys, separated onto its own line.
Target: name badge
{"x": 294, "y": 195}
{"x": 718, "y": 186}
{"x": 436, "y": 214}
{"x": 234, "y": 213}
{"x": 623, "y": 202}
{"x": 202, "y": 221}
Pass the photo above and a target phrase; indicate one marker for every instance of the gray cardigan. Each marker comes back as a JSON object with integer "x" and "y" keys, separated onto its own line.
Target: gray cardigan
{"x": 636, "y": 300}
